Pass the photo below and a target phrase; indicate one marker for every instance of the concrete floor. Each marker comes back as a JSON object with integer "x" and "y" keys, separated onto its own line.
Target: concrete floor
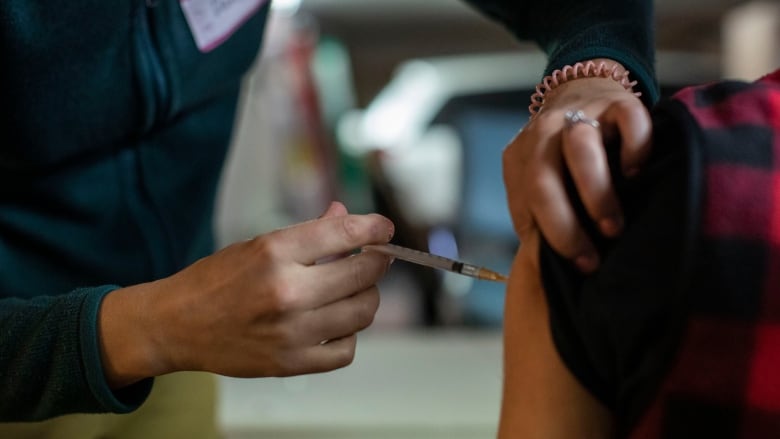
{"x": 402, "y": 384}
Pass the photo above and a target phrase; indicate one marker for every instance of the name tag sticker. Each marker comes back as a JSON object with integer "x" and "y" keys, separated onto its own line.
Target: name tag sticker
{"x": 212, "y": 22}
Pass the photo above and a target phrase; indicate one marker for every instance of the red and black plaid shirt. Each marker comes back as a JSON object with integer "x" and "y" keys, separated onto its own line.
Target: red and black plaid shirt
{"x": 725, "y": 378}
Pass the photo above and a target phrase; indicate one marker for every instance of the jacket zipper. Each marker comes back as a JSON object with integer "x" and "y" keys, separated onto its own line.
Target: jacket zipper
{"x": 153, "y": 79}
{"x": 155, "y": 94}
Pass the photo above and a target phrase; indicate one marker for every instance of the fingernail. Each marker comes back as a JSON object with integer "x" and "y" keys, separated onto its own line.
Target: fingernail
{"x": 611, "y": 226}
{"x": 587, "y": 262}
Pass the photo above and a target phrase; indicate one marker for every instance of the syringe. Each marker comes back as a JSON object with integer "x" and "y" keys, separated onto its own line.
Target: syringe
{"x": 436, "y": 261}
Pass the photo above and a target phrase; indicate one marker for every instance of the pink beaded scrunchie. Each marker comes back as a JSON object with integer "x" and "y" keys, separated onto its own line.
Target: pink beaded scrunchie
{"x": 588, "y": 69}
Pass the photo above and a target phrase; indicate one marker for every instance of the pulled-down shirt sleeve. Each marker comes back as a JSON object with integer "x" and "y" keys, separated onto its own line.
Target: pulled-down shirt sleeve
{"x": 50, "y": 359}
{"x": 571, "y": 31}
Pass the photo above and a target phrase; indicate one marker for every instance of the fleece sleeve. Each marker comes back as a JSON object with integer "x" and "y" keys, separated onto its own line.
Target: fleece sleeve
{"x": 570, "y": 31}
{"x": 50, "y": 359}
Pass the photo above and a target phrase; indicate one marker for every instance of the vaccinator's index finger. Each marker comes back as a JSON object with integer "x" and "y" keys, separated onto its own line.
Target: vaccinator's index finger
{"x": 311, "y": 241}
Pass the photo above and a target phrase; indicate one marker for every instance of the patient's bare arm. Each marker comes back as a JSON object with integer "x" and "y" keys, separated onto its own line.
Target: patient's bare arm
{"x": 541, "y": 398}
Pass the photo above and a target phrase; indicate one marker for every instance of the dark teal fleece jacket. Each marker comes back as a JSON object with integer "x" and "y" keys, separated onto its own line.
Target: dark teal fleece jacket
{"x": 113, "y": 134}
{"x": 570, "y": 31}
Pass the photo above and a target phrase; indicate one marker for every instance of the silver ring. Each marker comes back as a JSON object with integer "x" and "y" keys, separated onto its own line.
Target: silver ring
{"x": 574, "y": 117}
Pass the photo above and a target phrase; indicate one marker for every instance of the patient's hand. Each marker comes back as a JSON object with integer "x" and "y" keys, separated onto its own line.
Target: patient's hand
{"x": 537, "y": 159}
{"x": 541, "y": 398}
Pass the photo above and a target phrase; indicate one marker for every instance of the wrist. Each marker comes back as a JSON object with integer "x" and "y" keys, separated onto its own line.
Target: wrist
{"x": 128, "y": 348}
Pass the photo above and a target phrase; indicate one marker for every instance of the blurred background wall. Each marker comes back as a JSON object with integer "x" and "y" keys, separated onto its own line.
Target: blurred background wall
{"x": 380, "y": 34}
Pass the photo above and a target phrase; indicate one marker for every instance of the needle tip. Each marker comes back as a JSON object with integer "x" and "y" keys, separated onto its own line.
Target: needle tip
{"x": 492, "y": 275}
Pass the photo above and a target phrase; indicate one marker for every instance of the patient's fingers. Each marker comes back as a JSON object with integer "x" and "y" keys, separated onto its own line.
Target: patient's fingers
{"x": 586, "y": 159}
{"x": 554, "y": 215}
{"x": 634, "y": 127}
